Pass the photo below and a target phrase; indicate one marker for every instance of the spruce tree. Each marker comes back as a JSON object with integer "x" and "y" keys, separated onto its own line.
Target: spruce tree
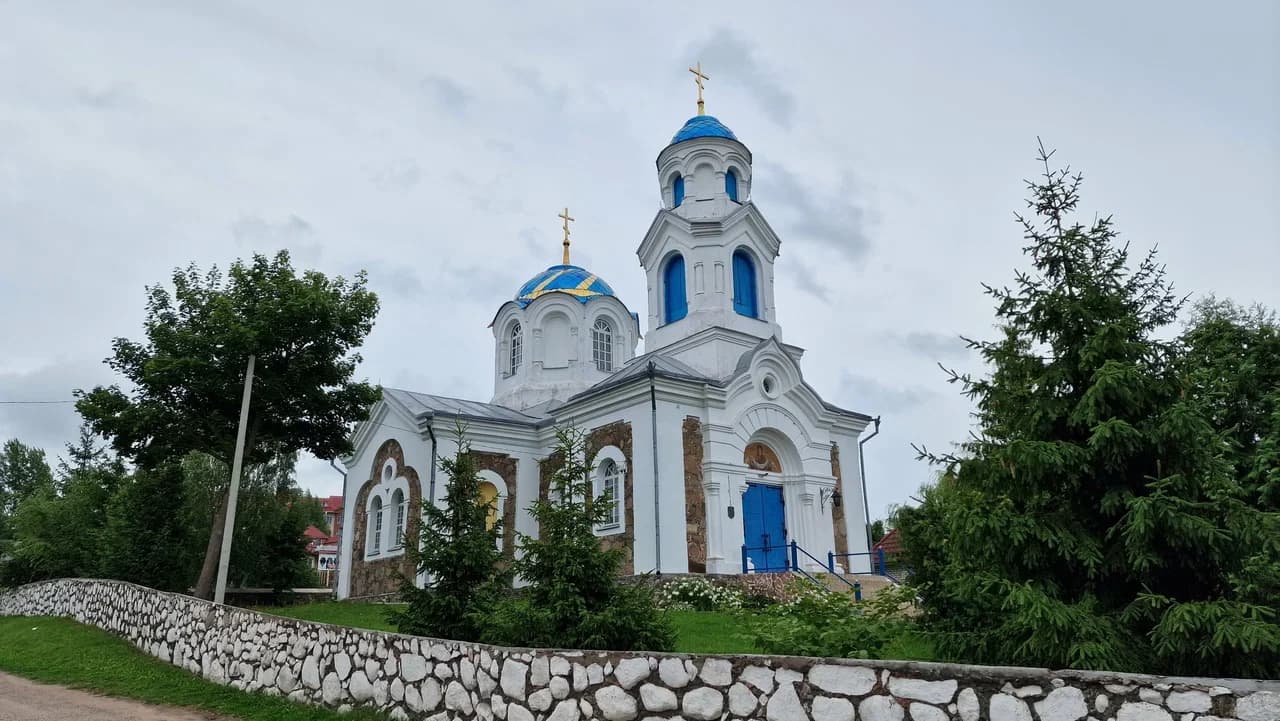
{"x": 1093, "y": 519}
{"x": 574, "y": 598}
{"x": 458, "y": 553}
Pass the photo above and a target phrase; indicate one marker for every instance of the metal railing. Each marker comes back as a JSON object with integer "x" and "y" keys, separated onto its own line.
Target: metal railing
{"x": 791, "y": 562}
{"x": 881, "y": 564}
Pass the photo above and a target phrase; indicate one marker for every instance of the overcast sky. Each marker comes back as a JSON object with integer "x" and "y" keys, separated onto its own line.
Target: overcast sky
{"x": 433, "y": 144}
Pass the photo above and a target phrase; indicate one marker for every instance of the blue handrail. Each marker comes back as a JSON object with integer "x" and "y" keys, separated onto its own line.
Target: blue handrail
{"x": 879, "y": 562}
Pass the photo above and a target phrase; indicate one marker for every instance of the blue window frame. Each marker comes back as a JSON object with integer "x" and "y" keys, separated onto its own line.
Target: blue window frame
{"x": 677, "y": 191}
{"x": 731, "y": 185}
{"x": 675, "y": 305}
{"x": 744, "y": 285}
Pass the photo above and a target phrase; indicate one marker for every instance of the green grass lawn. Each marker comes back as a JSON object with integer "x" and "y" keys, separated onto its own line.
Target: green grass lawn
{"x": 372, "y": 616}
{"x": 696, "y": 631}
{"x": 61, "y": 651}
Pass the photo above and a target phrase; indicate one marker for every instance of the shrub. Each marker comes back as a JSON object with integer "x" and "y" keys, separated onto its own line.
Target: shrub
{"x": 699, "y": 594}
{"x": 818, "y": 622}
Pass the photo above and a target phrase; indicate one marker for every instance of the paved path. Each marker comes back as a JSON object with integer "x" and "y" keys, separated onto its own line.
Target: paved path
{"x": 23, "y": 700}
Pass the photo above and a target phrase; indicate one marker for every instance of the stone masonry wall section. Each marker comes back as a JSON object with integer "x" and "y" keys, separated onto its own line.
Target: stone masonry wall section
{"x": 424, "y": 678}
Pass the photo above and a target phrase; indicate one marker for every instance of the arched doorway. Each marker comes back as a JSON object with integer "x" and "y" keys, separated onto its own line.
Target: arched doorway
{"x": 764, "y": 524}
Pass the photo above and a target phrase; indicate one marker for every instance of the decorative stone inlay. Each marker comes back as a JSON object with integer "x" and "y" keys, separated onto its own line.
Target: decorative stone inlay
{"x": 741, "y": 701}
{"x": 881, "y": 708}
{"x": 704, "y": 704}
{"x": 673, "y": 673}
{"x": 657, "y": 698}
{"x": 832, "y": 709}
{"x": 513, "y": 678}
{"x": 1259, "y": 706}
{"x": 925, "y": 712}
{"x": 615, "y": 703}
{"x": 1003, "y": 707}
{"x": 968, "y": 706}
{"x": 1063, "y": 704}
{"x": 931, "y": 691}
{"x": 758, "y": 676}
{"x": 631, "y": 671}
{"x": 716, "y": 672}
{"x": 1141, "y": 711}
{"x": 848, "y": 680}
{"x": 1196, "y": 701}
{"x": 1151, "y": 695}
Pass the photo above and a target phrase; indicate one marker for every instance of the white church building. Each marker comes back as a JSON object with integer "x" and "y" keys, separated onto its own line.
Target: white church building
{"x": 717, "y": 454}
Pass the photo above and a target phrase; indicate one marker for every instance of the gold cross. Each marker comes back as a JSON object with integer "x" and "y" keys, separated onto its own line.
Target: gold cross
{"x": 698, "y": 77}
{"x": 567, "y": 220}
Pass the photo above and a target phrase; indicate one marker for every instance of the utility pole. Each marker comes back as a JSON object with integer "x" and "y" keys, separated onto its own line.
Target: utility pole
{"x": 224, "y": 560}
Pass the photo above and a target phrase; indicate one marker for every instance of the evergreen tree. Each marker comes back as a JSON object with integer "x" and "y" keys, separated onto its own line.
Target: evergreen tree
{"x": 574, "y": 599}
{"x": 1094, "y": 520}
{"x": 144, "y": 528}
{"x": 1231, "y": 358}
{"x": 458, "y": 553}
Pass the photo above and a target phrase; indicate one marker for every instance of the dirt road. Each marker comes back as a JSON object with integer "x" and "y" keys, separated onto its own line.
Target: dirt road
{"x": 23, "y": 700}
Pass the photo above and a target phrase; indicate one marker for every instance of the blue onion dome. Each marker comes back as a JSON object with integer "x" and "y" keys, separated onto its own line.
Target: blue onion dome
{"x": 578, "y": 282}
{"x": 703, "y": 126}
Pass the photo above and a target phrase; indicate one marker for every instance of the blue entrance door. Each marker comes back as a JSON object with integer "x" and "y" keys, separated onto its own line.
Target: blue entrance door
{"x": 765, "y": 530}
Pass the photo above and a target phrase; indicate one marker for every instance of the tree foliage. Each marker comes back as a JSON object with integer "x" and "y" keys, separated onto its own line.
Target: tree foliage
{"x": 187, "y": 377}
{"x": 458, "y": 553}
{"x": 574, "y": 598}
{"x": 1094, "y": 519}
{"x": 1232, "y": 360}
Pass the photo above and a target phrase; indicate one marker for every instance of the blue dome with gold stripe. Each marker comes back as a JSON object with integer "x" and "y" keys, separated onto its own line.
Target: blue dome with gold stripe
{"x": 578, "y": 282}
{"x": 703, "y": 126}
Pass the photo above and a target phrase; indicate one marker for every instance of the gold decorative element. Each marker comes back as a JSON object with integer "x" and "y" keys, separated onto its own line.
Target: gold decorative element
{"x": 759, "y": 457}
{"x": 567, "y": 219}
{"x": 698, "y": 77}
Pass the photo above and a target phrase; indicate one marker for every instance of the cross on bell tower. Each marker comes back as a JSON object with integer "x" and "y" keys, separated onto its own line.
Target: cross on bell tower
{"x": 698, "y": 77}
{"x": 567, "y": 219}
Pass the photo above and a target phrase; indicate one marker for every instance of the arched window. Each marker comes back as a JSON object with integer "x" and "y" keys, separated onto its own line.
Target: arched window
{"x": 677, "y": 192}
{"x": 517, "y": 349}
{"x": 609, "y": 492}
{"x": 744, "y": 285}
{"x": 602, "y": 345}
{"x": 489, "y": 499}
{"x": 398, "y": 506}
{"x": 675, "y": 305}
{"x": 375, "y": 526}
{"x": 731, "y": 185}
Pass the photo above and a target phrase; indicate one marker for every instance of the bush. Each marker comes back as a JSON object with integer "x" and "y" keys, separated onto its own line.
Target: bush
{"x": 699, "y": 594}
{"x": 818, "y": 622}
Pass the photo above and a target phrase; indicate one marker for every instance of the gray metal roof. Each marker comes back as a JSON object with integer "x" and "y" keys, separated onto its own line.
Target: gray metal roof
{"x": 425, "y": 404}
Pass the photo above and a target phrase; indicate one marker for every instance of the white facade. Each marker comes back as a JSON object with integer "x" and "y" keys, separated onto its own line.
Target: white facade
{"x": 676, "y": 424}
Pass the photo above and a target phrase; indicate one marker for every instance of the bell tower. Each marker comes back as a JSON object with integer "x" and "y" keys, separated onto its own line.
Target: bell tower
{"x": 709, "y": 253}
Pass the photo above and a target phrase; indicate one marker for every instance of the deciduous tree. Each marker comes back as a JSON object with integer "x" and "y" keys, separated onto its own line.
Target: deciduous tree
{"x": 186, "y": 378}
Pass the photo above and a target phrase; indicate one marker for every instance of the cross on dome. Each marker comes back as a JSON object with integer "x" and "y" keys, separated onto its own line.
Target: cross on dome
{"x": 567, "y": 220}
{"x": 698, "y": 77}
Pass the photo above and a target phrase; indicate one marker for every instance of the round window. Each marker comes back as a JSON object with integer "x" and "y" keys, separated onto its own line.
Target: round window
{"x": 770, "y": 386}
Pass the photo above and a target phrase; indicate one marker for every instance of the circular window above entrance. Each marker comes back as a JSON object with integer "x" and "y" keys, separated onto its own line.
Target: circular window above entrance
{"x": 769, "y": 385}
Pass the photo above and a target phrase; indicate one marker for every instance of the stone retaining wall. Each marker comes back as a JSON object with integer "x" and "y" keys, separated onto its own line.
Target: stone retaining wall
{"x": 422, "y": 678}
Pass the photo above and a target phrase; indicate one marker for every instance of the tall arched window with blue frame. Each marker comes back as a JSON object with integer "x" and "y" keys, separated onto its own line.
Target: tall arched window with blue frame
{"x": 677, "y": 191}
{"x": 731, "y": 185}
{"x": 745, "y": 297}
{"x": 675, "y": 304}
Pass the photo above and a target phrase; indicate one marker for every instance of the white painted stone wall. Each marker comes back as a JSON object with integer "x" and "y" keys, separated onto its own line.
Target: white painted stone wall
{"x": 422, "y": 678}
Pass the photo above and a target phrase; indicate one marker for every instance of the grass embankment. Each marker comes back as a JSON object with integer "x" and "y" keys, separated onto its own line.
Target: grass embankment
{"x": 61, "y": 651}
{"x": 696, "y": 631}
